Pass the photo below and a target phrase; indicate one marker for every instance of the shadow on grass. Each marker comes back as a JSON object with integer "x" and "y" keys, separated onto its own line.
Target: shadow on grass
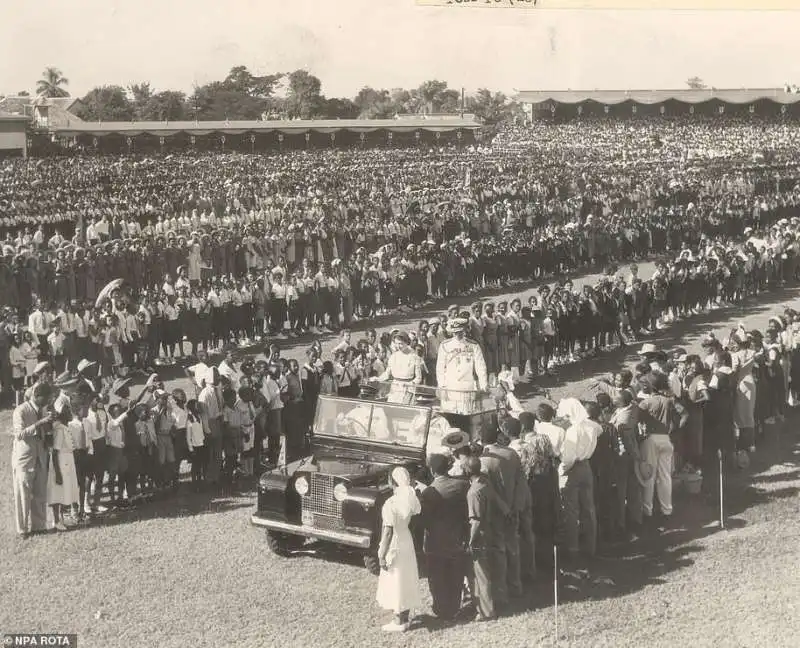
{"x": 777, "y": 477}
{"x": 626, "y": 568}
{"x": 184, "y": 503}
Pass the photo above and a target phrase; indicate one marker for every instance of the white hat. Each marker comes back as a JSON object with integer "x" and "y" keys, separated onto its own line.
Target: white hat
{"x": 649, "y": 348}
{"x": 456, "y": 324}
{"x": 85, "y": 364}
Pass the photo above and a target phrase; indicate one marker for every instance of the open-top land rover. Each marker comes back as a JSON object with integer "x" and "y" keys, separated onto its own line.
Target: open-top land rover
{"x": 336, "y": 492}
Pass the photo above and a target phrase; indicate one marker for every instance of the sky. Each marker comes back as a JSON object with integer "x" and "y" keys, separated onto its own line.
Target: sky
{"x": 175, "y": 44}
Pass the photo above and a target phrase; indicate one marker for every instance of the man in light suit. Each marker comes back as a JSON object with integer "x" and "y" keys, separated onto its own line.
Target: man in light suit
{"x": 29, "y": 461}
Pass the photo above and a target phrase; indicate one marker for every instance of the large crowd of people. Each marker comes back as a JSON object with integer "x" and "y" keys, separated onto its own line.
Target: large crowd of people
{"x": 222, "y": 252}
{"x": 233, "y": 248}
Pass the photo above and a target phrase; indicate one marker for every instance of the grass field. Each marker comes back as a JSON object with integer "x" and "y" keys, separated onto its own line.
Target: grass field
{"x": 191, "y": 571}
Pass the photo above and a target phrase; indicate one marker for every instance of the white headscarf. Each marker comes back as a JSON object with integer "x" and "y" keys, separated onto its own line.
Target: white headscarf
{"x": 572, "y": 409}
{"x": 405, "y": 497}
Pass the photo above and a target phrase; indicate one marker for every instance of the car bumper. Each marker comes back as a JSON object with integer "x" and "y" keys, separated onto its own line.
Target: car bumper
{"x": 339, "y": 537}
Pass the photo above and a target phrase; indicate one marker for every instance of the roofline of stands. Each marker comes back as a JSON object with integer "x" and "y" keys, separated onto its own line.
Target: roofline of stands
{"x": 650, "y": 97}
{"x": 8, "y": 117}
{"x": 288, "y": 127}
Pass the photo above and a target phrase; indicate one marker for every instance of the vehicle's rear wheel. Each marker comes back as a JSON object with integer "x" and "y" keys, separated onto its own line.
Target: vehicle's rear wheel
{"x": 372, "y": 564}
{"x": 283, "y": 544}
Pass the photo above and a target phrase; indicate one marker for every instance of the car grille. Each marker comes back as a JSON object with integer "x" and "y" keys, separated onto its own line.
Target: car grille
{"x": 320, "y": 497}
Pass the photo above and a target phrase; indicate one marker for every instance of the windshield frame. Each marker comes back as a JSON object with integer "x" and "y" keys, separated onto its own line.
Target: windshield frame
{"x": 415, "y": 410}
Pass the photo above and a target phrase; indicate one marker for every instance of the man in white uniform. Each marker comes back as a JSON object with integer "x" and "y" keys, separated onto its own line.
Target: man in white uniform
{"x": 460, "y": 367}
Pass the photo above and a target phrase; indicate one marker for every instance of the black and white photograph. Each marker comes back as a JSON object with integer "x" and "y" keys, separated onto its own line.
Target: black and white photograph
{"x": 420, "y": 323}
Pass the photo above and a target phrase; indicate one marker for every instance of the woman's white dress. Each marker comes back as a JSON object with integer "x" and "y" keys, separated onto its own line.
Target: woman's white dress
{"x": 398, "y": 587}
{"x": 403, "y": 367}
{"x": 67, "y": 492}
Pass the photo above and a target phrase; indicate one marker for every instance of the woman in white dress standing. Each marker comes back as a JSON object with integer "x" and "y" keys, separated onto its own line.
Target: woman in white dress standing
{"x": 62, "y": 478}
{"x": 398, "y": 583}
{"x": 404, "y": 369}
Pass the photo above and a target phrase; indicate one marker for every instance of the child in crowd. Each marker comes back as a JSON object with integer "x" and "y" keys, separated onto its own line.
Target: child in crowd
{"x": 30, "y": 350}
{"x": 195, "y": 441}
{"x": 94, "y": 424}
{"x": 247, "y": 416}
{"x": 17, "y": 360}
{"x": 232, "y": 434}
{"x": 328, "y": 384}
{"x": 180, "y": 416}
{"x": 115, "y": 452}
{"x": 55, "y": 342}
{"x": 146, "y": 432}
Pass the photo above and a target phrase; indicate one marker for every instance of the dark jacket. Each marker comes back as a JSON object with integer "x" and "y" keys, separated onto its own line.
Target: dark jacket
{"x": 444, "y": 516}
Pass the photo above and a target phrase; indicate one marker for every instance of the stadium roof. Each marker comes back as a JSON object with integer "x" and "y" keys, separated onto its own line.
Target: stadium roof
{"x": 689, "y": 96}
{"x": 289, "y": 127}
{"x": 15, "y": 118}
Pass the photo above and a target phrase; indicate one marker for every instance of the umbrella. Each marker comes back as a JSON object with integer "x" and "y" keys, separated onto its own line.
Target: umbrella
{"x": 105, "y": 293}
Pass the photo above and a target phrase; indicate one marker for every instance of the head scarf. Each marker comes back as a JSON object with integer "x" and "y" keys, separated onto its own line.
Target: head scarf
{"x": 571, "y": 408}
{"x": 405, "y": 497}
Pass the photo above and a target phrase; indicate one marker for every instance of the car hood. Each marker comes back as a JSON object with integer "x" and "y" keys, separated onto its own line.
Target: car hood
{"x": 358, "y": 471}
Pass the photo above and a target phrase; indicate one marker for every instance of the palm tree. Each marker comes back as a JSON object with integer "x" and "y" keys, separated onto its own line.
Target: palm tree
{"x": 50, "y": 83}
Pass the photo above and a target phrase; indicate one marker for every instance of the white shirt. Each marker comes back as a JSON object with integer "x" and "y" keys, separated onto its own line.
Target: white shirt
{"x": 68, "y": 323}
{"x": 553, "y": 432}
{"x": 82, "y": 326}
{"x": 93, "y": 425}
{"x": 180, "y": 416}
{"x": 37, "y": 323}
{"x": 580, "y": 441}
{"x": 114, "y": 435}
{"x": 231, "y": 373}
{"x": 272, "y": 392}
{"x": 195, "y": 437}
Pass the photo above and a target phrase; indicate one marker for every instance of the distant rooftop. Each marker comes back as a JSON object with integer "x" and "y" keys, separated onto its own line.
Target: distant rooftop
{"x": 685, "y": 95}
{"x": 442, "y": 123}
{"x": 9, "y": 117}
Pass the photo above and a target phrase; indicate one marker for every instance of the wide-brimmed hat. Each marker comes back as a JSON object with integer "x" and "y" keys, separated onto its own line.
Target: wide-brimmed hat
{"x": 42, "y": 367}
{"x": 65, "y": 379}
{"x": 649, "y": 348}
{"x": 778, "y": 321}
{"x": 119, "y": 383}
{"x": 85, "y": 364}
{"x": 455, "y": 439}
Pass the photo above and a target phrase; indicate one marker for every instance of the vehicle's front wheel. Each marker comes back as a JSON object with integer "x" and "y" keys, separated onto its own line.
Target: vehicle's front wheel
{"x": 372, "y": 564}
{"x": 283, "y": 544}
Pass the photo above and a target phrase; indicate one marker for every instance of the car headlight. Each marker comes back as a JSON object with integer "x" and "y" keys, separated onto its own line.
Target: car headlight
{"x": 301, "y": 485}
{"x": 339, "y": 492}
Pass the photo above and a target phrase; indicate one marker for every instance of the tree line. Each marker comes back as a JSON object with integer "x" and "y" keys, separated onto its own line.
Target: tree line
{"x": 242, "y": 95}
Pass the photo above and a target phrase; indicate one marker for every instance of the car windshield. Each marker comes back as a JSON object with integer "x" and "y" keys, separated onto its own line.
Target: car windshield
{"x": 404, "y": 425}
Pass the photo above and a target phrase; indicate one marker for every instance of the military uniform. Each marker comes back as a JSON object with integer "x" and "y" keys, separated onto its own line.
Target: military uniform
{"x": 460, "y": 367}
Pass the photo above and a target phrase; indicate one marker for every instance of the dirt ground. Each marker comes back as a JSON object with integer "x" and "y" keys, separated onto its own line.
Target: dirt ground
{"x": 191, "y": 570}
